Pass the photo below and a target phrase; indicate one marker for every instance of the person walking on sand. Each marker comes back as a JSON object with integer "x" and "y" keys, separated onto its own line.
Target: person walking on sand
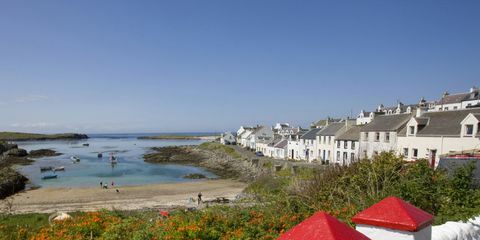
{"x": 199, "y": 198}
{"x": 101, "y": 184}
{"x": 113, "y": 184}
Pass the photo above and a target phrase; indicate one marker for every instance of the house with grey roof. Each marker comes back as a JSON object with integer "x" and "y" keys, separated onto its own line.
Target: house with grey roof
{"x": 380, "y": 135}
{"x": 294, "y": 147}
{"x": 307, "y": 145}
{"x": 325, "y": 140}
{"x": 431, "y": 134}
{"x": 458, "y": 100}
{"x": 277, "y": 149}
{"x": 347, "y": 145}
{"x": 228, "y": 138}
{"x": 262, "y": 135}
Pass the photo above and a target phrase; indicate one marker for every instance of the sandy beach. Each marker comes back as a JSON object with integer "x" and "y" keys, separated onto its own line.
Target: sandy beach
{"x": 47, "y": 200}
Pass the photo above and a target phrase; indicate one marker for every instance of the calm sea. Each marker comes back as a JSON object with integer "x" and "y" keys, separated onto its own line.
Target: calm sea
{"x": 91, "y": 170}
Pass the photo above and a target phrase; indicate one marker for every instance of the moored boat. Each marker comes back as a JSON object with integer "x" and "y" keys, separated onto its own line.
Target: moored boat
{"x": 99, "y": 155}
{"x": 49, "y": 176}
{"x": 43, "y": 169}
{"x": 86, "y": 144}
{"x": 75, "y": 159}
{"x": 62, "y": 168}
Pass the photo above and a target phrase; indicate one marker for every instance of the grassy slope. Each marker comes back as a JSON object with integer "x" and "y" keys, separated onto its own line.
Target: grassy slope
{"x": 214, "y": 146}
{"x": 17, "y": 136}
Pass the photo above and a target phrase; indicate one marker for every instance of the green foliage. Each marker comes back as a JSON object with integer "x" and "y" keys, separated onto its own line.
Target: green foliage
{"x": 214, "y": 146}
{"x": 19, "y": 226}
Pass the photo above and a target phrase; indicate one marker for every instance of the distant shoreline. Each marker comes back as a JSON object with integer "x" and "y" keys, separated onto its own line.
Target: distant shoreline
{"x": 178, "y": 137}
{"x": 19, "y": 136}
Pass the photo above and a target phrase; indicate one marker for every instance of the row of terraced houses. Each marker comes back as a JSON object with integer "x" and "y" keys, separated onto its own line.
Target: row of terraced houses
{"x": 427, "y": 130}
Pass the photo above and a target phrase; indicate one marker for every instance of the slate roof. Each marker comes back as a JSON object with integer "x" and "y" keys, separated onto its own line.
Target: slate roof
{"x": 331, "y": 129}
{"x": 445, "y": 123}
{"x": 387, "y": 123}
{"x": 352, "y": 134}
{"x": 454, "y": 98}
{"x": 282, "y": 144}
{"x": 312, "y": 134}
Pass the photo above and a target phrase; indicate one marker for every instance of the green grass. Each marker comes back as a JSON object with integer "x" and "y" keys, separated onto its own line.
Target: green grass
{"x": 214, "y": 146}
{"x": 11, "y": 225}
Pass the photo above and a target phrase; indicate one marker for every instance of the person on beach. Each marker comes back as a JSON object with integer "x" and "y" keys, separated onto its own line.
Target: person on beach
{"x": 199, "y": 198}
{"x": 112, "y": 184}
{"x": 101, "y": 184}
{"x": 105, "y": 186}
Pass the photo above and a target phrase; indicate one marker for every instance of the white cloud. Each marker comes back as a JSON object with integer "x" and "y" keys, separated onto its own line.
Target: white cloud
{"x": 23, "y": 99}
{"x": 37, "y": 125}
{"x": 30, "y": 98}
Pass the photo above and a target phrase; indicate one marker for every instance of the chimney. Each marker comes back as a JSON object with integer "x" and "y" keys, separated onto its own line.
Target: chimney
{"x": 393, "y": 218}
{"x": 473, "y": 89}
{"x": 445, "y": 94}
{"x": 420, "y": 111}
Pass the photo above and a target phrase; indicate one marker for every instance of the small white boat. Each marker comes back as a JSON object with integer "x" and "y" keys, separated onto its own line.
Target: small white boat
{"x": 62, "y": 168}
{"x": 75, "y": 159}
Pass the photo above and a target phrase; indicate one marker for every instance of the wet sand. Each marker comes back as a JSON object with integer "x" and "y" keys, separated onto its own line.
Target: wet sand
{"x": 47, "y": 200}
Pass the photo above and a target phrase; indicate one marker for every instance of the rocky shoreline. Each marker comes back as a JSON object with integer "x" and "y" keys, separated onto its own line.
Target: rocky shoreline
{"x": 11, "y": 181}
{"x": 217, "y": 161}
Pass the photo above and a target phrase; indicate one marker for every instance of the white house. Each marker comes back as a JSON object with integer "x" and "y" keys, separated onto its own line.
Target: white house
{"x": 432, "y": 134}
{"x": 347, "y": 146}
{"x": 243, "y": 135}
{"x": 227, "y": 138}
{"x": 380, "y": 135}
{"x": 294, "y": 147}
{"x": 325, "y": 140}
{"x": 307, "y": 145}
{"x": 458, "y": 101}
{"x": 261, "y": 134}
{"x": 280, "y": 126}
{"x": 279, "y": 149}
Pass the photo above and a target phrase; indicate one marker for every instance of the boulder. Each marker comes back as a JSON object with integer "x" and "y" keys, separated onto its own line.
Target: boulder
{"x": 16, "y": 152}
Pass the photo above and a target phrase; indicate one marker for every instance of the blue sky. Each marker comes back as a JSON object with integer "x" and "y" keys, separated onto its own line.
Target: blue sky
{"x": 161, "y": 66}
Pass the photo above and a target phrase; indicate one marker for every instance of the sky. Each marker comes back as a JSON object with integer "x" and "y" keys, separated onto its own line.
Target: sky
{"x": 183, "y": 66}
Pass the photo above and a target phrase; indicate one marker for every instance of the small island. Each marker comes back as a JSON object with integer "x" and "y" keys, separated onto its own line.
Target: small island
{"x": 19, "y": 136}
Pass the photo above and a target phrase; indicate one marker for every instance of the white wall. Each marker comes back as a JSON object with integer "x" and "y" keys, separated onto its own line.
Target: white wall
{"x": 443, "y": 145}
{"x": 325, "y": 145}
{"x": 349, "y": 150}
{"x": 380, "y": 233}
{"x": 370, "y": 145}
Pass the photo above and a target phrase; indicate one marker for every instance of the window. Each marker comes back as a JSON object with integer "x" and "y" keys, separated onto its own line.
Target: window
{"x": 377, "y": 137}
{"x": 345, "y": 144}
{"x": 338, "y": 155}
{"x": 329, "y": 139}
{"x": 446, "y": 108}
{"x": 344, "y": 157}
{"x": 366, "y": 136}
{"x": 405, "y": 152}
{"x": 455, "y": 108}
{"x": 338, "y": 144}
{"x": 352, "y": 157}
{"x": 415, "y": 153}
{"x": 469, "y": 130}
{"x": 412, "y": 130}
{"x": 387, "y": 137}
{"x": 352, "y": 144}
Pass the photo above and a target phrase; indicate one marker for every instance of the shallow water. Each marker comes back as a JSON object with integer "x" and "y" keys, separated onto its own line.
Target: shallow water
{"x": 91, "y": 170}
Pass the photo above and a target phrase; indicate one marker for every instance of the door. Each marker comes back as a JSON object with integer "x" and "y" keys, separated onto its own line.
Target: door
{"x": 433, "y": 158}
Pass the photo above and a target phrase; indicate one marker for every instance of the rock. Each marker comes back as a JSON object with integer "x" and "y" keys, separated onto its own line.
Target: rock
{"x": 11, "y": 182}
{"x": 43, "y": 153}
{"x": 195, "y": 176}
{"x": 16, "y": 152}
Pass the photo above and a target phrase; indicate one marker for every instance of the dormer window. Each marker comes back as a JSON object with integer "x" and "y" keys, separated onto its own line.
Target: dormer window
{"x": 411, "y": 130}
{"x": 468, "y": 130}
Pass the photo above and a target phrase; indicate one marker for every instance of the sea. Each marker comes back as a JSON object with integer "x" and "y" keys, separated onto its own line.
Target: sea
{"x": 91, "y": 170}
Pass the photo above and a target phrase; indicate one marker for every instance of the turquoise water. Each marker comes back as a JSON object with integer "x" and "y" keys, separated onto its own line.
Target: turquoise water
{"x": 90, "y": 171}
